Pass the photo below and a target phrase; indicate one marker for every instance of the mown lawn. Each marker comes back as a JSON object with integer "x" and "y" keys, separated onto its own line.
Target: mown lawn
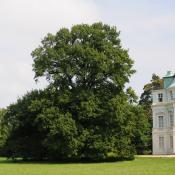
{"x": 139, "y": 166}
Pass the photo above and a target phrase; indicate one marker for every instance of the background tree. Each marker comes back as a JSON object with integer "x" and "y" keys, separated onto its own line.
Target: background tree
{"x": 146, "y": 100}
{"x": 3, "y": 130}
{"x": 142, "y": 126}
{"x": 146, "y": 97}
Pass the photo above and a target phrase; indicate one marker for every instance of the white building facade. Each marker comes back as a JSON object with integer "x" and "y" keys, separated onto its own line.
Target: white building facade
{"x": 163, "y": 108}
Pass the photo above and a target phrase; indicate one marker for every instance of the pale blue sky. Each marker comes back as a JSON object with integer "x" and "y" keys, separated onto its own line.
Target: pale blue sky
{"x": 147, "y": 30}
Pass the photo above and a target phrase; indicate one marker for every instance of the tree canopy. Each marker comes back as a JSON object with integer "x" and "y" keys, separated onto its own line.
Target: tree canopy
{"x": 85, "y": 113}
{"x": 86, "y": 56}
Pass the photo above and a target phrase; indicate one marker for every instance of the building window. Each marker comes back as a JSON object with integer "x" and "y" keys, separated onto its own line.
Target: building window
{"x": 160, "y": 97}
{"x": 171, "y": 120}
{"x": 160, "y": 121}
{"x": 171, "y": 141}
{"x": 161, "y": 142}
{"x": 171, "y": 95}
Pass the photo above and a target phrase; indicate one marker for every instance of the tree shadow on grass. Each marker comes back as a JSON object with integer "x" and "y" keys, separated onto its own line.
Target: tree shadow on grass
{"x": 4, "y": 160}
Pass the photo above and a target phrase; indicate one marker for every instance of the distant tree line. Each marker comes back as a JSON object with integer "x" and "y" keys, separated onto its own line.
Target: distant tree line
{"x": 86, "y": 113}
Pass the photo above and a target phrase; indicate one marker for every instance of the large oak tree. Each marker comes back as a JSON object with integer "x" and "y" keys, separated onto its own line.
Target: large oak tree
{"x": 85, "y": 112}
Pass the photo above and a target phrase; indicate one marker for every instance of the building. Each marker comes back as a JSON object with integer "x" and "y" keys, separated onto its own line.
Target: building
{"x": 163, "y": 108}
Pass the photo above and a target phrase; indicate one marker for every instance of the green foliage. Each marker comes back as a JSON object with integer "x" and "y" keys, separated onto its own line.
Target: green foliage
{"x": 84, "y": 113}
{"x": 87, "y": 56}
{"x": 42, "y": 128}
{"x": 4, "y": 130}
{"x": 146, "y": 97}
{"x": 25, "y": 140}
{"x": 61, "y": 133}
{"x": 146, "y": 100}
{"x": 142, "y": 132}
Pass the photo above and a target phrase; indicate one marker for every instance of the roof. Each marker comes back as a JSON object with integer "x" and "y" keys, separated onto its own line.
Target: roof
{"x": 169, "y": 74}
{"x": 172, "y": 85}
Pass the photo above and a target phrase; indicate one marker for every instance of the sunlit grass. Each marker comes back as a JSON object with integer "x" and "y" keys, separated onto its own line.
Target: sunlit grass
{"x": 139, "y": 166}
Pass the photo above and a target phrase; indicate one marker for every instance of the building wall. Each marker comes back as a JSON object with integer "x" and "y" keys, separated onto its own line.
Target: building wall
{"x": 165, "y": 109}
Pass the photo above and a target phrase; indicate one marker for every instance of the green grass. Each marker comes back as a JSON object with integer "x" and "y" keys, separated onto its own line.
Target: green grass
{"x": 139, "y": 166}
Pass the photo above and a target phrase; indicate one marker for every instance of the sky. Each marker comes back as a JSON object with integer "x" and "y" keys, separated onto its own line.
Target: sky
{"x": 147, "y": 30}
